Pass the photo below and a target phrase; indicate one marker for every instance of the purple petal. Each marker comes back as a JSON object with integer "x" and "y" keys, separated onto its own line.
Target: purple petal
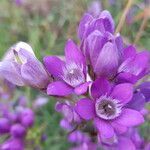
{"x": 73, "y": 54}
{"x": 109, "y": 24}
{"x": 137, "y": 102}
{"x": 145, "y": 90}
{"x": 59, "y": 88}
{"x": 130, "y": 118}
{"x": 81, "y": 89}
{"x": 100, "y": 87}
{"x": 85, "y": 108}
{"x": 127, "y": 77}
{"x": 104, "y": 128}
{"x": 119, "y": 129}
{"x": 129, "y": 52}
{"x": 84, "y": 23}
{"x": 94, "y": 43}
{"x": 107, "y": 61}
{"x": 54, "y": 65}
{"x": 126, "y": 144}
{"x": 34, "y": 74}
{"x": 135, "y": 65}
{"x": 123, "y": 92}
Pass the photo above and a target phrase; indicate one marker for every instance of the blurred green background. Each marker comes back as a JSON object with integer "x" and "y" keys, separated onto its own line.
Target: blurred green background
{"x": 46, "y": 25}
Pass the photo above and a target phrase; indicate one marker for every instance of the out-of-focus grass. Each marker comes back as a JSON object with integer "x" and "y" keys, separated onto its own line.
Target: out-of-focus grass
{"x": 46, "y": 25}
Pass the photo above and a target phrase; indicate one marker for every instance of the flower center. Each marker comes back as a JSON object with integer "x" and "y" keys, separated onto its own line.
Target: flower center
{"x": 73, "y": 74}
{"x": 108, "y": 108}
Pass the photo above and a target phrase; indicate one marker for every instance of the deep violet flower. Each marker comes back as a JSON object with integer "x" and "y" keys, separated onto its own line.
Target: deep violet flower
{"x": 18, "y": 131}
{"x": 4, "y": 125}
{"x": 27, "y": 117}
{"x": 70, "y": 75}
{"x": 21, "y": 67}
{"x": 108, "y": 109}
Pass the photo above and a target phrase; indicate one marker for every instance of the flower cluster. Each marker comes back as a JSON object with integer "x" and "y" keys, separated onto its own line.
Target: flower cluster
{"x": 15, "y": 121}
{"x": 100, "y": 84}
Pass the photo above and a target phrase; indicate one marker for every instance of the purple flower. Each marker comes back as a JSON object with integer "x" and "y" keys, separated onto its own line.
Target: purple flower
{"x": 68, "y": 111}
{"x": 4, "y": 125}
{"x": 21, "y": 67}
{"x": 102, "y": 23}
{"x": 27, "y": 117}
{"x": 78, "y": 137}
{"x": 134, "y": 66}
{"x": 18, "y": 131}
{"x": 103, "y": 52}
{"x": 71, "y": 74}
{"x": 108, "y": 109}
{"x": 13, "y": 144}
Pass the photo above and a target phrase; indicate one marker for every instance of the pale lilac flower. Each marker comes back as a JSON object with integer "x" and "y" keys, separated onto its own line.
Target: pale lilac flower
{"x": 70, "y": 75}
{"x": 21, "y": 67}
{"x": 108, "y": 109}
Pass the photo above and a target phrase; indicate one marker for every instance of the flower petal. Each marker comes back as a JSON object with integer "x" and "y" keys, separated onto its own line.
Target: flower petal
{"x": 85, "y": 108}
{"x": 107, "y": 61}
{"x": 135, "y": 65}
{"x": 73, "y": 54}
{"x": 11, "y": 72}
{"x": 54, "y": 65}
{"x": 100, "y": 87}
{"x": 59, "y": 88}
{"x": 125, "y": 144}
{"x": 109, "y": 25}
{"x": 137, "y": 102}
{"x": 34, "y": 74}
{"x": 123, "y": 92}
{"x": 129, "y": 118}
{"x": 81, "y": 89}
{"x": 119, "y": 129}
{"x": 129, "y": 51}
{"x": 104, "y": 128}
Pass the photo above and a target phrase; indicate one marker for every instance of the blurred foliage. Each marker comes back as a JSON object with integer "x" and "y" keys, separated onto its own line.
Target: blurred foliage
{"x": 46, "y": 25}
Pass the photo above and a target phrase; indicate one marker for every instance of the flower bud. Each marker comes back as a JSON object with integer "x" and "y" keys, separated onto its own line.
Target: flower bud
{"x": 27, "y": 117}
{"x": 4, "y": 125}
{"x": 18, "y": 131}
{"x": 21, "y": 67}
